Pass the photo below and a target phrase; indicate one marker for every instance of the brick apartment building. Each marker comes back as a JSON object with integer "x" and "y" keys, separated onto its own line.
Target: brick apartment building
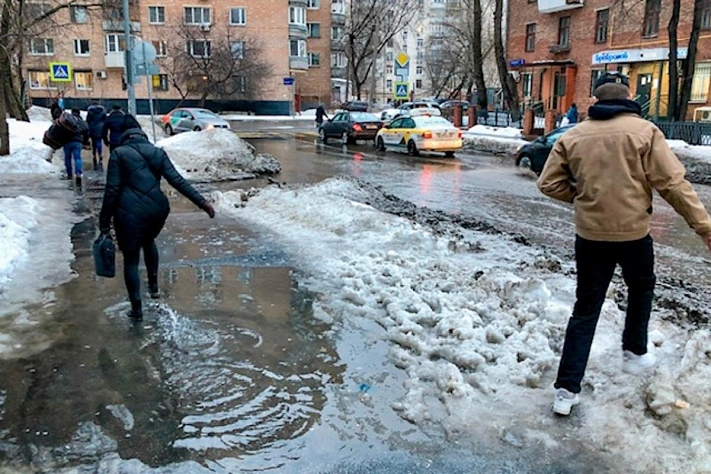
{"x": 288, "y": 33}
{"x": 558, "y": 48}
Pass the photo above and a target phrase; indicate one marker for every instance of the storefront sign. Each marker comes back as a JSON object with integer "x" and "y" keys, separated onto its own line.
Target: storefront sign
{"x": 517, "y": 62}
{"x": 636, "y": 55}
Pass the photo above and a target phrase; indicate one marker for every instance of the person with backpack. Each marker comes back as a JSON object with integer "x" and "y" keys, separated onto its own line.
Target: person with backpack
{"x": 112, "y": 129}
{"x": 78, "y": 137}
{"x": 138, "y": 208}
{"x": 96, "y": 118}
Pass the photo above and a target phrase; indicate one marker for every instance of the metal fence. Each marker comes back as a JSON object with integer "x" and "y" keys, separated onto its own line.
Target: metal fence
{"x": 693, "y": 133}
{"x": 497, "y": 118}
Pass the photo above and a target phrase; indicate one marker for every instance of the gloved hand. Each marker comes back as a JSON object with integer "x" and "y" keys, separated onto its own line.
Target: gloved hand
{"x": 207, "y": 207}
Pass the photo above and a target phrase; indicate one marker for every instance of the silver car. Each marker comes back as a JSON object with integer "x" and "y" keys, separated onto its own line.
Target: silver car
{"x": 189, "y": 119}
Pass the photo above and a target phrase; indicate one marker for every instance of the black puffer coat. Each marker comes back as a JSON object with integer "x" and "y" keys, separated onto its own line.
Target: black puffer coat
{"x": 113, "y": 126}
{"x": 96, "y": 118}
{"x": 133, "y": 197}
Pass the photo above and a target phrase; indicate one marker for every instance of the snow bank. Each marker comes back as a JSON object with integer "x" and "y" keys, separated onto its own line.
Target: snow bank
{"x": 477, "y": 322}
{"x": 696, "y": 159}
{"x": 16, "y": 223}
{"x": 27, "y": 152}
{"x": 483, "y": 138}
{"x": 216, "y": 155}
{"x": 506, "y": 132}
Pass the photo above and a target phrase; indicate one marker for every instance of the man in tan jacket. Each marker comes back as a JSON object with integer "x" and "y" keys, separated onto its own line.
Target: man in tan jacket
{"x": 607, "y": 167}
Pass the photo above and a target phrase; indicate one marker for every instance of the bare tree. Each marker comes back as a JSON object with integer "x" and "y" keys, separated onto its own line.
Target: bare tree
{"x": 215, "y": 64}
{"x": 672, "y": 108}
{"x": 370, "y": 25}
{"x": 508, "y": 85}
{"x": 690, "y": 63}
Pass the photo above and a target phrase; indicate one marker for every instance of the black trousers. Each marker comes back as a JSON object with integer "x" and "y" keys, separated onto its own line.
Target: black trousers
{"x": 130, "y": 271}
{"x": 596, "y": 262}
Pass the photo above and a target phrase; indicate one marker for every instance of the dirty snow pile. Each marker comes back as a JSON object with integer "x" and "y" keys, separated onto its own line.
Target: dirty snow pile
{"x": 477, "y": 322}
{"x": 493, "y": 140}
{"x": 216, "y": 155}
{"x": 27, "y": 152}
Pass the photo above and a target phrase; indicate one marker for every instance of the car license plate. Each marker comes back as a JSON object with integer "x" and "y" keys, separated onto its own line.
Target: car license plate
{"x": 371, "y": 127}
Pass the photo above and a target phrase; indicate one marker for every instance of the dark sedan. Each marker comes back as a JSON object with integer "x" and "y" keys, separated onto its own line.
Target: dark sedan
{"x": 350, "y": 126}
{"x": 533, "y": 156}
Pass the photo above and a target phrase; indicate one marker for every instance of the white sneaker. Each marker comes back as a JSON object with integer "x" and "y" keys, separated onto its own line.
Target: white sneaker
{"x": 636, "y": 364}
{"x": 564, "y": 401}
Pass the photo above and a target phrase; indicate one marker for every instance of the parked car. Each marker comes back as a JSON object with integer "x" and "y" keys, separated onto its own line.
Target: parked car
{"x": 389, "y": 114}
{"x": 191, "y": 119}
{"x": 533, "y": 156}
{"x": 356, "y": 106}
{"x": 419, "y": 105}
{"x": 420, "y": 133}
{"x": 350, "y": 126}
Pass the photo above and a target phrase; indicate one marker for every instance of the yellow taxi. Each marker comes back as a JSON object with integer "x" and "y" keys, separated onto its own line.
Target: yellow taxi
{"x": 418, "y": 133}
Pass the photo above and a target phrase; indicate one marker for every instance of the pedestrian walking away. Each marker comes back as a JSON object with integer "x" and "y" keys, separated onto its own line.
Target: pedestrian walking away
{"x": 138, "y": 208}
{"x": 73, "y": 148}
{"x": 111, "y": 131}
{"x": 96, "y": 118}
{"x": 320, "y": 114}
{"x": 607, "y": 166}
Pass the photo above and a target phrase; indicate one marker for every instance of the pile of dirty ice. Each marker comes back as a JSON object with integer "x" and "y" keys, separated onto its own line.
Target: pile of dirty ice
{"x": 217, "y": 155}
{"x": 477, "y": 322}
{"x": 483, "y": 138}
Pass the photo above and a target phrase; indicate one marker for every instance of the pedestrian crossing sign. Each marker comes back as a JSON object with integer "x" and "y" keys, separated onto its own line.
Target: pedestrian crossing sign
{"x": 60, "y": 72}
{"x": 402, "y": 90}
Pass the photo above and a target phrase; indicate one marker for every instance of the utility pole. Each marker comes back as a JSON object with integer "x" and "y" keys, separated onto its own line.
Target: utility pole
{"x": 129, "y": 59}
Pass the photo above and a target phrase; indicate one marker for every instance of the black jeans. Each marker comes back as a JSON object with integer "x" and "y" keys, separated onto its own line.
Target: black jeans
{"x": 130, "y": 271}
{"x": 596, "y": 262}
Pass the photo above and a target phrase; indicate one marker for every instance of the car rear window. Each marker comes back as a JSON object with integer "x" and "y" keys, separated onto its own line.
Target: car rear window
{"x": 364, "y": 117}
{"x": 432, "y": 122}
{"x": 205, "y": 114}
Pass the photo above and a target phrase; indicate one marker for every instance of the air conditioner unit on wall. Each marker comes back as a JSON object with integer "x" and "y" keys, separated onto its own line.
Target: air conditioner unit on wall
{"x": 101, "y": 74}
{"x": 205, "y": 27}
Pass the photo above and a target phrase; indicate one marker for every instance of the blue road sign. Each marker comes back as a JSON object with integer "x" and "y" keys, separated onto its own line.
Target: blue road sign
{"x": 288, "y": 81}
{"x": 60, "y": 72}
{"x": 402, "y": 90}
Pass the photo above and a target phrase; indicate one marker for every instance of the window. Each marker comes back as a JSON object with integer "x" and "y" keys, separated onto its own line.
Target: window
{"x": 338, "y": 6}
{"x": 420, "y": 42}
{"x": 161, "y": 48}
{"x": 389, "y": 84}
{"x": 418, "y": 83}
{"x": 389, "y": 68}
{"x": 706, "y": 18}
{"x": 83, "y": 80}
{"x": 418, "y": 70}
{"x": 595, "y": 74}
{"x": 601, "y": 25}
{"x": 115, "y": 43}
{"x": 314, "y": 59}
{"x": 700, "y": 83}
{"x": 527, "y": 84}
{"x": 238, "y": 16}
{"x": 336, "y": 32}
{"x": 531, "y": 37}
{"x": 564, "y": 31}
{"x": 40, "y": 80}
{"x": 79, "y": 14}
{"x": 297, "y": 16}
{"x": 651, "y": 18}
{"x": 42, "y": 46}
{"x": 297, "y": 48}
{"x": 160, "y": 82}
{"x": 156, "y": 15}
{"x": 81, "y": 47}
{"x": 313, "y": 4}
{"x": 199, "y": 48}
{"x": 420, "y": 57}
{"x": 197, "y": 16}
{"x": 314, "y": 30}
{"x": 338, "y": 59}
{"x": 404, "y": 36}
{"x": 389, "y": 56}
{"x": 237, "y": 48}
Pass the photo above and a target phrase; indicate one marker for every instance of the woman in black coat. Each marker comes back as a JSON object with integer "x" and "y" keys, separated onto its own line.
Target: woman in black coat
{"x": 139, "y": 208}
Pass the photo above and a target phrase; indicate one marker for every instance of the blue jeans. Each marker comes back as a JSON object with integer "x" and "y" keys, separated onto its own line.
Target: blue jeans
{"x": 73, "y": 150}
{"x": 596, "y": 262}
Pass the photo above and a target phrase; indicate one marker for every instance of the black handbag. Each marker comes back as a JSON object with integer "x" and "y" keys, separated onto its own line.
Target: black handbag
{"x": 105, "y": 256}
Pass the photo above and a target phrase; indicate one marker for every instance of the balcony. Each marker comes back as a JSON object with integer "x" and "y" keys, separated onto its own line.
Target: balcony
{"x": 553, "y": 6}
{"x": 117, "y": 25}
{"x": 115, "y": 60}
{"x": 338, "y": 16}
{"x": 559, "y": 48}
{"x": 337, "y": 45}
{"x": 298, "y": 3}
{"x": 299, "y": 63}
{"x": 339, "y": 72}
{"x": 298, "y": 32}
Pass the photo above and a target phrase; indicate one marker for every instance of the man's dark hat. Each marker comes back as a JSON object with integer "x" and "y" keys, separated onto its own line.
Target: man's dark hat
{"x": 613, "y": 77}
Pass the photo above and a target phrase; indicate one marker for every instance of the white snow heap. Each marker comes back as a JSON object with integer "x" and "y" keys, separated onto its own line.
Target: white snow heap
{"x": 493, "y": 140}
{"x": 16, "y": 222}
{"x": 27, "y": 152}
{"x": 479, "y": 334}
{"x": 216, "y": 155}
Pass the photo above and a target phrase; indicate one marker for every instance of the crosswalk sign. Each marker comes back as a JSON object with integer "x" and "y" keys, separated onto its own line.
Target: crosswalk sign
{"x": 60, "y": 72}
{"x": 402, "y": 90}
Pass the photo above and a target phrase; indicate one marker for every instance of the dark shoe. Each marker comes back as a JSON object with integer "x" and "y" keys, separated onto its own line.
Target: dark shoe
{"x": 96, "y": 166}
{"x": 154, "y": 291}
{"x": 68, "y": 177}
{"x": 135, "y": 315}
{"x": 78, "y": 180}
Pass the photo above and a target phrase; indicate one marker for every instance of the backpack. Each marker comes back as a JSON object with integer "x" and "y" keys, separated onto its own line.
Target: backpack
{"x": 73, "y": 123}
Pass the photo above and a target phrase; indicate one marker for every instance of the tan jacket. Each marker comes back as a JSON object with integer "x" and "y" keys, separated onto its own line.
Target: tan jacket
{"x": 608, "y": 168}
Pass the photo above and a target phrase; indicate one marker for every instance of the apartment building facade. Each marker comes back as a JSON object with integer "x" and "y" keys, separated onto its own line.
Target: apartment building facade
{"x": 283, "y": 33}
{"x": 558, "y": 48}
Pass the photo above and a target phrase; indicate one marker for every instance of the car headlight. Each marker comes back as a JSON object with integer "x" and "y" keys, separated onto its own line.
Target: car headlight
{"x": 209, "y": 126}
{"x": 518, "y": 150}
